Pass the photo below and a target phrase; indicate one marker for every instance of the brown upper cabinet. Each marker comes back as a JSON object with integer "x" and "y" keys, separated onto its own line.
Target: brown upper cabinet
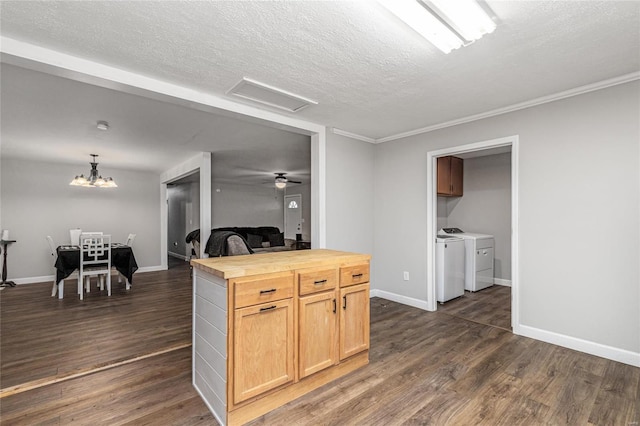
{"x": 450, "y": 176}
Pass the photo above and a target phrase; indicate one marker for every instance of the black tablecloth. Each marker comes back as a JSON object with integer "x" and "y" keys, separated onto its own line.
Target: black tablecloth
{"x": 122, "y": 259}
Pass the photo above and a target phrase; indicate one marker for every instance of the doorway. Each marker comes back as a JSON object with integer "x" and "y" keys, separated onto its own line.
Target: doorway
{"x": 496, "y": 145}
{"x": 292, "y": 215}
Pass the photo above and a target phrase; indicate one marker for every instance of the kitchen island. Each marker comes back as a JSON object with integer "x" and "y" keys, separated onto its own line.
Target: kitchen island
{"x": 271, "y": 327}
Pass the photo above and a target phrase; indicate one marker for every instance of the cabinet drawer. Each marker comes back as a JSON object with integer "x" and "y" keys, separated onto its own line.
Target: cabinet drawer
{"x": 266, "y": 288}
{"x": 356, "y": 274}
{"x": 315, "y": 280}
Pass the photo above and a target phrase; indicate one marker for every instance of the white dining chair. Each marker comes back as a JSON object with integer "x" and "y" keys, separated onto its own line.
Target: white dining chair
{"x": 130, "y": 239}
{"x": 129, "y": 243}
{"x": 95, "y": 260}
{"x": 74, "y": 235}
{"x": 54, "y": 255}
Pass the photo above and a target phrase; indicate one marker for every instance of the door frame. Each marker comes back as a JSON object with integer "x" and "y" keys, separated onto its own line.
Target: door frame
{"x": 432, "y": 214}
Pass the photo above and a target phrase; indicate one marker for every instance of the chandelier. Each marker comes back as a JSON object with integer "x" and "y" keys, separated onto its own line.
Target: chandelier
{"x": 94, "y": 179}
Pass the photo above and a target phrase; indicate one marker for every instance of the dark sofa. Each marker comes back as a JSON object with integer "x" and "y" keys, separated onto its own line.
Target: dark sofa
{"x": 257, "y": 239}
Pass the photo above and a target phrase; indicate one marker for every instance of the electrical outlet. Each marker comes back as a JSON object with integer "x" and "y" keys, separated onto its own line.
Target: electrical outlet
{"x": 406, "y": 275}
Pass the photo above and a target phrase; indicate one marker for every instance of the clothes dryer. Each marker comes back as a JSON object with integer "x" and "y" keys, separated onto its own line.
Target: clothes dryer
{"x": 479, "y": 254}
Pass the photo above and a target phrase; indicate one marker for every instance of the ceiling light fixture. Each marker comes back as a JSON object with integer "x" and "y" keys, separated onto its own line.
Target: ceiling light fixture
{"x": 465, "y": 20}
{"x": 281, "y": 182}
{"x": 102, "y": 125}
{"x": 94, "y": 179}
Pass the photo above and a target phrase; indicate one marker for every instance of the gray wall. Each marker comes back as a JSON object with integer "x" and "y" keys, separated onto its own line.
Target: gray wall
{"x": 37, "y": 201}
{"x": 579, "y": 168}
{"x": 256, "y": 205}
{"x": 485, "y": 207}
{"x": 350, "y": 195}
{"x": 182, "y": 219}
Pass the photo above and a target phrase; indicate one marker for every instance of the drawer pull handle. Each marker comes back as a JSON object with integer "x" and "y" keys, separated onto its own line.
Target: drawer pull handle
{"x": 267, "y": 309}
{"x": 272, "y": 290}
{"x": 356, "y": 276}
{"x": 320, "y": 282}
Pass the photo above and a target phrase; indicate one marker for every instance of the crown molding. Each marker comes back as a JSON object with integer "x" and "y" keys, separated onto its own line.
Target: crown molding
{"x": 353, "y": 135}
{"x": 523, "y": 105}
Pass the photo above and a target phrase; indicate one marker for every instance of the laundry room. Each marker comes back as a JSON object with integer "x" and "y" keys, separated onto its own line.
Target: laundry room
{"x": 474, "y": 216}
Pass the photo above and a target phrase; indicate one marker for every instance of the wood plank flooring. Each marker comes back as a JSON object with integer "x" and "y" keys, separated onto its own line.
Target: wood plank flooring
{"x": 426, "y": 368}
{"x": 43, "y": 338}
{"x": 491, "y": 306}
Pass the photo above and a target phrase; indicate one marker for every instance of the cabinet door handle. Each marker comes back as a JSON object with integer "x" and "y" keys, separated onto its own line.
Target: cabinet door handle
{"x": 320, "y": 282}
{"x": 271, "y": 290}
{"x": 334, "y": 306}
{"x": 356, "y": 275}
{"x": 267, "y": 309}
{"x": 344, "y": 302}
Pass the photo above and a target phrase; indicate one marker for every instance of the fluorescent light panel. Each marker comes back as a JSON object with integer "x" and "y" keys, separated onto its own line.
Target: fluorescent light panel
{"x": 263, "y": 93}
{"x": 424, "y": 23}
{"x": 465, "y": 16}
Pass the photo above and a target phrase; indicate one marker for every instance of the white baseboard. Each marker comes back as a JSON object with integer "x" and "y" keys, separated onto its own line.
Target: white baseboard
{"x": 405, "y": 300}
{"x": 500, "y": 281}
{"x": 597, "y": 349}
{"x": 47, "y": 278}
{"x": 33, "y": 280}
{"x": 178, "y": 256}
{"x": 151, "y": 268}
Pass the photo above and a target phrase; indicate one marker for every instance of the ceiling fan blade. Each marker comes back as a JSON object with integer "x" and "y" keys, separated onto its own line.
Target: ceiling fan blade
{"x": 293, "y": 181}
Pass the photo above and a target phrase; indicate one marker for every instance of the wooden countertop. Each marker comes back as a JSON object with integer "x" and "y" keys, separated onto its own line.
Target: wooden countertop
{"x": 264, "y": 263}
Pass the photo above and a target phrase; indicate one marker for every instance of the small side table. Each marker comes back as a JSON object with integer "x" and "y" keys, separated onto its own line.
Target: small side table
{"x": 5, "y": 283}
{"x": 303, "y": 245}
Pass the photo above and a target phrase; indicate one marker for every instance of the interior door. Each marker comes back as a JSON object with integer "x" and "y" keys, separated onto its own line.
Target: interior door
{"x": 292, "y": 216}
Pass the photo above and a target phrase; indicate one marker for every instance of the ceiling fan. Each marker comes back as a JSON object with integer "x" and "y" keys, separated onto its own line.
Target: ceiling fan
{"x": 281, "y": 180}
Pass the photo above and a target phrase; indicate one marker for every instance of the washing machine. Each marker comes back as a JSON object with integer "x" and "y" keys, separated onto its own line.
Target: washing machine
{"x": 479, "y": 248}
{"x": 449, "y": 268}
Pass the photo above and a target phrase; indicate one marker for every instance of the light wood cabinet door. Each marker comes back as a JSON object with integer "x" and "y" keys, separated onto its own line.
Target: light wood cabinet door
{"x": 263, "y": 348}
{"x": 354, "y": 320}
{"x": 318, "y": 321}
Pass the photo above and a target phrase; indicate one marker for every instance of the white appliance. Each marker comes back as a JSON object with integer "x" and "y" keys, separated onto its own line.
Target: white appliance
{"x": 478, "y": 270}
{"x": 449, "y": 268}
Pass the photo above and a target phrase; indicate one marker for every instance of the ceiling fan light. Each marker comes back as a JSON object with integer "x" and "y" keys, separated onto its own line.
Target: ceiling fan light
{"x": 281, "y": 184}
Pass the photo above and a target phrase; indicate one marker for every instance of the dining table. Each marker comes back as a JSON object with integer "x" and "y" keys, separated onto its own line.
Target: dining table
{"x": 68, "y": 260}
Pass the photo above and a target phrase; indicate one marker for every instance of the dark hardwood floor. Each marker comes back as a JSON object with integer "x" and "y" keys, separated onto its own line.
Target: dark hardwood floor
{"x": 491, "y": 306}
{"x": 132, "y": 361}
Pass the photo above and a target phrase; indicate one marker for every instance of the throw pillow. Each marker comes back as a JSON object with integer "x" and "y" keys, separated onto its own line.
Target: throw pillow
{"x": 255, "y": 241}
{"x": 276, "y": 239}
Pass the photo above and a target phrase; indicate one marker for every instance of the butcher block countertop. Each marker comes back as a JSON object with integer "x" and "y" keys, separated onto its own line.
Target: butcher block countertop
{"x": 264, "y": 263}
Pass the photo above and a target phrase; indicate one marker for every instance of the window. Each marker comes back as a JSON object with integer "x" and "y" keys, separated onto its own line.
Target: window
{"x": 293, "y": 204}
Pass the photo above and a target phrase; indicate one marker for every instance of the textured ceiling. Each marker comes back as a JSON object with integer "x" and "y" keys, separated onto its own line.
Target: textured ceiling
{"x": 50, "y": 118}
{"x": 370, "y": 74}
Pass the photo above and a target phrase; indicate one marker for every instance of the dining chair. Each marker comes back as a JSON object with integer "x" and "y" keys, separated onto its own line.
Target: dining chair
{"x": 75, "y": 236}
{"x": 54, "y": 255}
{"x": 130, "y": 239}
{"x": 129, "y": 243}
{"x": 95, "y": 260}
